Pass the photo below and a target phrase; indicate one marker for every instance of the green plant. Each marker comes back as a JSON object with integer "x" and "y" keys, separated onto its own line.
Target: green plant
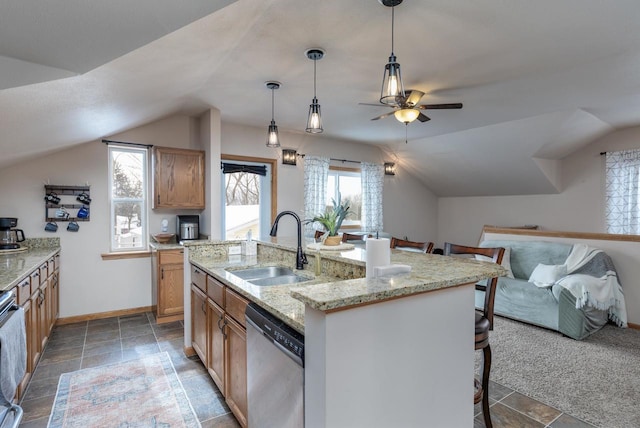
{"x": 332, "y": 219}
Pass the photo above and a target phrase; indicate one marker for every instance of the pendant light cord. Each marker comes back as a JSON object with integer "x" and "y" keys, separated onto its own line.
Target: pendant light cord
{"x": 392, "y": 21}
{"x": 314, "y": 78}
{"x": 272, "y": 104}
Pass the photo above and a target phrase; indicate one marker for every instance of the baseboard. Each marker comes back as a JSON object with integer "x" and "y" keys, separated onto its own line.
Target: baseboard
{"x": 101, "y": 315}
{"x": 634, "y": 326}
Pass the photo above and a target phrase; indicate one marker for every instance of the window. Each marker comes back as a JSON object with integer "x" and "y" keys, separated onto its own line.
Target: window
{"x": 623, "y": 192}
{"x": 347, "y": 183}
{"x": 246, "y": 199}
{"x": 128, "y": 198}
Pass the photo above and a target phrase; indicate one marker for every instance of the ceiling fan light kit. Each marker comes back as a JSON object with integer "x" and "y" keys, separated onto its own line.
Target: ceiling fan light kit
{"x": 406, "y": 115}
{"x": 392, "y": 88}
{"x": 314, "y": 120}
{"x": 273, "y": 140}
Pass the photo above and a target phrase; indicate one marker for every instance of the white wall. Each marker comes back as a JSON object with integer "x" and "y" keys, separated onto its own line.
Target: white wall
{"x": 409, "y": 207}
{"x": 578, "y": 208}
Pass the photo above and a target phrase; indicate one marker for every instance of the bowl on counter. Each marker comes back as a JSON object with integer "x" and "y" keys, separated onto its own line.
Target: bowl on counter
{"x": 163, "y": 238}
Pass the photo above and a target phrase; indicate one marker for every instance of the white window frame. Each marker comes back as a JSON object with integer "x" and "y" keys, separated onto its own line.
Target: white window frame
{"x": 336, "y": 172}
{"x": 144, "y": 242}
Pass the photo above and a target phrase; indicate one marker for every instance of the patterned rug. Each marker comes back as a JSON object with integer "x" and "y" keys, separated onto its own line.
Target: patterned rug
{"x": 138, "y": 393}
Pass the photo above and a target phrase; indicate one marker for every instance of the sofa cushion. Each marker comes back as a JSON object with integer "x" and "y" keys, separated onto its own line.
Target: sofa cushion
{"x": 526, "y": 255}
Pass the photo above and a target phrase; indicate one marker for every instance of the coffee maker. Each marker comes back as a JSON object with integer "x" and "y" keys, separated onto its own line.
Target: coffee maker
{"x": 187, "y": 227}
{"x": 9, "y": 237}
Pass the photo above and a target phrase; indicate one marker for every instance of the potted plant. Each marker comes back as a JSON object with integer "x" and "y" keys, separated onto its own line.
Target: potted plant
{"x": 332, "y": 220}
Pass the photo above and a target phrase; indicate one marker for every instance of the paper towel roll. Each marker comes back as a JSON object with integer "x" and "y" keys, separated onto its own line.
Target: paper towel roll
{"x": 378, "y": 253}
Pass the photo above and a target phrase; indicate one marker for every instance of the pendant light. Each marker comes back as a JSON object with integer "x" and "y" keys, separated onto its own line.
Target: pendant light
{"x": 314, "y": 121}
{"x": 273, "y": 141}
{"x": 392, "y": 88}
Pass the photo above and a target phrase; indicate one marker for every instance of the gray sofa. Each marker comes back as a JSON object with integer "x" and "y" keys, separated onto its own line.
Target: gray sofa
{"x": 554, "y": 307}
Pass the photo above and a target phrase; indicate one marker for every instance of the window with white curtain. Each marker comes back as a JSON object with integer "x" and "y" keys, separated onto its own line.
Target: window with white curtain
{"x": 347, "y": 183}
{"x": 623, "y": 192}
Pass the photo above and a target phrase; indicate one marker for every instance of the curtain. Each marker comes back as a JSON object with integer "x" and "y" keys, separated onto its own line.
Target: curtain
{"x": 372, "y": 184}
{"x": 622, "y": 192}
{"x": 316, "y": 172}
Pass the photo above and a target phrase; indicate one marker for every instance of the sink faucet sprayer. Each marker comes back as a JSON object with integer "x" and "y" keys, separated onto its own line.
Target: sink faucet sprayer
{"x": 301, "y": 257}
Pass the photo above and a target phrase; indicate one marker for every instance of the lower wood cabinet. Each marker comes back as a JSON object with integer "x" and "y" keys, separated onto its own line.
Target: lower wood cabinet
{"x": 225, "y": 337}
{"x": 199, "y": 327}
{"x": 168, "y": 284}
{"x": 39, "y": 295}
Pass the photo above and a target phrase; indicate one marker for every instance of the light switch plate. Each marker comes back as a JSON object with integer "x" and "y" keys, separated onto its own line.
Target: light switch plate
{"x": 236, "y": 249}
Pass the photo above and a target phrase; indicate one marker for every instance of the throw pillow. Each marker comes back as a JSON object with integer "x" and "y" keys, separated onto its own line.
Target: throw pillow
{"x": 506, "y": 261}
{"x": 547, "y": 275}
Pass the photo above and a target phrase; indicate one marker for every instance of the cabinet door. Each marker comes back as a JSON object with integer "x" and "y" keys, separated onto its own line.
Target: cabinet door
{"x": 30, "y": 332}
{"x": 178, "y": 178}
{"x": 171, "y": 290}
{"x": 236, "y": 369}
{"x": 33, "y": 333}
{"x": 199, "y": 323}
{"x": 55, "y": 297}
{"x": 215, "y": 365}
{"x": 43, "y": 316}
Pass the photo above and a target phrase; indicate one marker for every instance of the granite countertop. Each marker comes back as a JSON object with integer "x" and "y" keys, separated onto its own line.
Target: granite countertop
{"x": 15, "y": 266}
{"x": 328, "y": 293}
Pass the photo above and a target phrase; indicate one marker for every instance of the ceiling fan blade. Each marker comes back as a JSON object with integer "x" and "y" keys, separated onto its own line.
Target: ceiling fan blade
{"x": 374, "y": 105}
{"x": 413, "y": 97}
{"x": 382, "y": 116}
{"x": 423, "y": 118}
{"x": 439, "y": 106}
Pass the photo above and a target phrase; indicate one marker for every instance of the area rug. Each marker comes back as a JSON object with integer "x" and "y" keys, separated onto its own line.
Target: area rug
{"x": 596, "y": 379}
{"x": 145, "y": 392}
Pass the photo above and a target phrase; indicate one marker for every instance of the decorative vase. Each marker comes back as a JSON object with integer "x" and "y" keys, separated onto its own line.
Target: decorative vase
{"x": 333, "y": 240}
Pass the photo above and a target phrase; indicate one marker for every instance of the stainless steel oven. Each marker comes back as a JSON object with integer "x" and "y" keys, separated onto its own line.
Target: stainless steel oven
{"x": 275, "y": 371}
{"x": 12, "y": 336}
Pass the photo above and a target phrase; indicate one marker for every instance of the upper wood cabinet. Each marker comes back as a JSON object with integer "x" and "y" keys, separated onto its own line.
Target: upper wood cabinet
{"x": 178, "y": 178}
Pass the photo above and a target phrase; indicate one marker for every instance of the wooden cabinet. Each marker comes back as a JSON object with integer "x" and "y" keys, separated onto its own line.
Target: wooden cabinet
{"x": 168, "y": 285}
{"x": 216, "y": 362}
{"x": 236, "y": 369}
{"x": 38, "y": 294}
{"x": 178, "y": 178}
{"x": 199, "y": 325}
{"x": 226, "y": 353}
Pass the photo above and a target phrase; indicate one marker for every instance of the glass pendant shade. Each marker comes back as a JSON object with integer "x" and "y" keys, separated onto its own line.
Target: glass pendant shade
{"x": 273, "y": 141}
{"x": 314, "y": 121}
{"x": 392, "y": 86}
{"x": 406, "y": 115}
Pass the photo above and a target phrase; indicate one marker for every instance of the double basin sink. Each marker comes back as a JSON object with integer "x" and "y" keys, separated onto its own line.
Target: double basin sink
{"x": 269, "y": 275}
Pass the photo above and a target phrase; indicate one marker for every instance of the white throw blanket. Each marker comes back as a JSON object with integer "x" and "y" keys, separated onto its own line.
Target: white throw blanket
{"x": 592, "y": 280}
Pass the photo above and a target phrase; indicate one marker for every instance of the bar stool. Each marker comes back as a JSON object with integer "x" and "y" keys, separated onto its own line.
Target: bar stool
{"x": 483, "y": 323}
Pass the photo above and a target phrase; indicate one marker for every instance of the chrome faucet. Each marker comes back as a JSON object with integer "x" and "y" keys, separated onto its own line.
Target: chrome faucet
{"x": 301, "y": 257}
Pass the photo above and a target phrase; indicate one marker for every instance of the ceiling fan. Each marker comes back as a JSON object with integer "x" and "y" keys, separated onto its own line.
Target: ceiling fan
{"x": 408, "y": 110}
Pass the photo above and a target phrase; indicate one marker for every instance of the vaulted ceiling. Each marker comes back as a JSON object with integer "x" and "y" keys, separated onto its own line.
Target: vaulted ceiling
{"x": 538, "y": 79}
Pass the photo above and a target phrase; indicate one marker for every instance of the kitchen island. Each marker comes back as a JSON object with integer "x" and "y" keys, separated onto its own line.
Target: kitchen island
{"x": 392, "y": 351}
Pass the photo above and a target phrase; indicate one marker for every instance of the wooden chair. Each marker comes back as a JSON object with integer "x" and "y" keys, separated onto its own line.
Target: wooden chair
{"x": 360, "y": 239}
{"x": 401, "y": 244}
{"x": 483, "y": 324}
{"x": 319, "y": 233}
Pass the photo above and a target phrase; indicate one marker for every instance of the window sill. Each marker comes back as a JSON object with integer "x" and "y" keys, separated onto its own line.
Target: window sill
{"x": 126, "y": 255}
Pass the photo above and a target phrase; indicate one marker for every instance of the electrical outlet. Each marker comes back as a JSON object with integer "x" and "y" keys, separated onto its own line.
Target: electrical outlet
{"x": 237, "y": 249}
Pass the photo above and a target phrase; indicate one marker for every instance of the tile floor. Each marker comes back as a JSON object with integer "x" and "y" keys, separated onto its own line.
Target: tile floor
{"x": 98, "y": 342}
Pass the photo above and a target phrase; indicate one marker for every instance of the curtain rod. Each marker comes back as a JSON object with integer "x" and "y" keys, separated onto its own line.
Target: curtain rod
{"x": 302, "y": 155}
{"x": 125, "y": 143}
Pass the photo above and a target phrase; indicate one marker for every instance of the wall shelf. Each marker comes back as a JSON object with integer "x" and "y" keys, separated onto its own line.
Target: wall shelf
{"x": 67, "y": 195}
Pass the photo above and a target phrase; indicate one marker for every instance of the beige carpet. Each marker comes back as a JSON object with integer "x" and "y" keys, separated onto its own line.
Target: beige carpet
{"x": 145, "y": 392}
{"x": 596, "y": 380}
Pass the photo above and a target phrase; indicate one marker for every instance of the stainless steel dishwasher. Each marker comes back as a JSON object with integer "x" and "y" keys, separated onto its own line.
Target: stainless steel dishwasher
{"x": 275, "y": 371}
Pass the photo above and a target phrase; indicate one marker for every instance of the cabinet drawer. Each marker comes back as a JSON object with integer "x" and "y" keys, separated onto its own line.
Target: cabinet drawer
{"x": 170, "y": 257}
{"x": 35, "y": 280}
{"x": 44, "y": 272}
{"x": 52, "y": 265}
{"x": 23, "y": 291}
{"x": 199, "y": 278}
{"x": 235, "y": 305}
{"x": 215, "y": 291}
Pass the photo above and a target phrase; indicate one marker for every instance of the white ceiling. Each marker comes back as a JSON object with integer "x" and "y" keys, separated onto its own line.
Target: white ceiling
{"x": 538, "y": 79}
